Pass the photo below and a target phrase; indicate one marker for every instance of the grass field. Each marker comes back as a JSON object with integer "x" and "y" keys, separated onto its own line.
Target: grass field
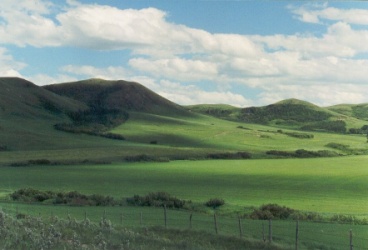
{"x": 326, "y": 185}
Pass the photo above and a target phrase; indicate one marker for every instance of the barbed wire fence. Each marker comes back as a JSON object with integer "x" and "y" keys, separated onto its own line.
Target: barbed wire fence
{"x": 296, "y": 234}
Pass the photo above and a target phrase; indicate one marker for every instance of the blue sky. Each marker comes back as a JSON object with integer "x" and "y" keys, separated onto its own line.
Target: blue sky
{"x": 244, "y": 53}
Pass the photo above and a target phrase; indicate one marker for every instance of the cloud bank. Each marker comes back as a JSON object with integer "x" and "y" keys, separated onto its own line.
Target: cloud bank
{"x": 175, "y": 59}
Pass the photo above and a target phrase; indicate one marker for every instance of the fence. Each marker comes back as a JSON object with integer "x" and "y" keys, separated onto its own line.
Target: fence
{"x": 296, "y": 234}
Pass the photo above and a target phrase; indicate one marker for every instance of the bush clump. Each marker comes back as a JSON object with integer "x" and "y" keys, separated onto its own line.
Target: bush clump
{"x": 72, "y": 198}
{"x": 272, "y": 211}
{"x": 302, "y": 153}
{"x": 237, "y": 155}
{"x": 215, "y": 203}
{"x": 158, "y": 199}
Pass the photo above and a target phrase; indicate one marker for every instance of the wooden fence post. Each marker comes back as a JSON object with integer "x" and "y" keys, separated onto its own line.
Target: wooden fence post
{"x": 165, "y": 216}
{"x": 190, "y": 220}
{"x": 240, "y": 227}
{"x": 351, "y": 240}
{"x": 263, "y": 232}
{"x": 270, "y": 231}
{"x": 297, "y": 235}
{"x": 121, "y": 218}
{"x": 85, "y": 215}
{"x": 141, "y": 219}
{"x": 215, "y": 219}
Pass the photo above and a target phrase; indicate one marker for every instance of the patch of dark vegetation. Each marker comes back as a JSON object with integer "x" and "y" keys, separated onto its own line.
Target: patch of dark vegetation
{"x": 297, "y": 135}
{"x": 272, "y": 211}
{"x": 145, "y": 158}
{"x": 302, "y": 153}
{"x": 215, "y": 203}
{"x": 327, "y": 126}
{"x": 95, "y": 121}
{"x": 158, "y": 199}
{"x": 227, "y": 156}
{"x": 49, "y": 105}
{"x": 339, "y": 146}
{"x": 242, "y": 127}
{"x": 61, "y": 162}
{"x": 359, "y": 131}
{"x": 346, "y": 148}
{"x": 277, "y": 212}
{"x": 3, "y": 148}
{"x": 292, "y": 113}
{"x": 89, "y": 130}
{"x": 72, "y": 198}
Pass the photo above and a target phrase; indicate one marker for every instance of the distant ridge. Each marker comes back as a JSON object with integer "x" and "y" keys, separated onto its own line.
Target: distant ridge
{"x": 122, "y": 95}
{"x": 359, "y": 111}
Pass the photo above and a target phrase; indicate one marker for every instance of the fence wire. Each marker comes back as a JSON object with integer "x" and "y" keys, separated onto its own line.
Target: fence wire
{"x": 311, "y": 235}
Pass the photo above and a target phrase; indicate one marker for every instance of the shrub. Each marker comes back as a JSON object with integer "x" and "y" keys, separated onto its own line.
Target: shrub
{"x": 215, "y": 203}
{"x": 158, "y": 199}
{"x": 39, "y": 162}
{"x": 3, "y": 148}
{"x": 237, "y": 155}
{"x": 272, "y": 211}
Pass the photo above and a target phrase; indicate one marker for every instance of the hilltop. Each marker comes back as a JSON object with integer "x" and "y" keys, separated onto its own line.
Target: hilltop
{"x": 21, "y": 98}
{"x": 290, "y": 113}
{"x": 121, "y": 95}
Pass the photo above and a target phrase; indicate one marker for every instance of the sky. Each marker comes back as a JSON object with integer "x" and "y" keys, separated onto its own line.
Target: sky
{"x": 242, "y": 53}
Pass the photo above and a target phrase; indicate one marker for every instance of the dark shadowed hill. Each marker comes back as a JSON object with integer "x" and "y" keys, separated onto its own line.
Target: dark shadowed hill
{"x": 121, "y": 95}
{"x": 21, "y": 98}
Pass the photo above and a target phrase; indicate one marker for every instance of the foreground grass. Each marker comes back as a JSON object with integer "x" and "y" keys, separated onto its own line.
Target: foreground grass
{"x": 324, "y": 185}
{"x": 55, "y": 233}
{"x": 150, "y": 221}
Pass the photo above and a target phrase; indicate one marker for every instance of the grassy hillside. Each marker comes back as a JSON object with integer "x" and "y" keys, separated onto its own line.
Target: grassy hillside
{"x": 291, "y": 113}
{"x": 154, "y": 126}
{"x": 122, "y": 95}
{"x": 21, "y": 98}
{"x": 359, "y": 111}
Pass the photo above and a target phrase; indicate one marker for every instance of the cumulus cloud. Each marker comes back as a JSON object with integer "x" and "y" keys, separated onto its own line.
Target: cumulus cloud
{"x": 316, "y": 13}
{"x": 319, "y": 94}
{"x": 164, "y": 53}
{"x": 8, "y": 65}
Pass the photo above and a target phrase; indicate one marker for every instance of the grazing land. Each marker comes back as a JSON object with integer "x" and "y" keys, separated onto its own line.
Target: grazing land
{"x": 119, "y": 139}
{"x": 326, "y": 185}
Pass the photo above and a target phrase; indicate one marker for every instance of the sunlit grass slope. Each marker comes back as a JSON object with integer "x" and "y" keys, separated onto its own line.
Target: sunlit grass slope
{"x": 212, "y": 133}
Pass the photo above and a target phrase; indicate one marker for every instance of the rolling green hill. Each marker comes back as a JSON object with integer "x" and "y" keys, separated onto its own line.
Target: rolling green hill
{"x": 154, "y": 126}
{"x": 121, "y": 95}
{"x": 359, "y": 111}
{"x": 290, "y": 113}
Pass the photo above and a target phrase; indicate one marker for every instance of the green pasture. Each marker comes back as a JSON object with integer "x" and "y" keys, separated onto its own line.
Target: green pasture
{"x": 325, "y": 185}
{"x": 212, "y": 133}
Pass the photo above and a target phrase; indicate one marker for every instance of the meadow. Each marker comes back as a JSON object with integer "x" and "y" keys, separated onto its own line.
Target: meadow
{"x": 329, "y": 186}
{"x": 324, "y": 185}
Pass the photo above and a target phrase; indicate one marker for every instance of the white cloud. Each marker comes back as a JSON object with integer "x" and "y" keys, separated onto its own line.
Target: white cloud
{"x": 316, "y": 13}
{"x": 108, "y": 73}
{"x": 43, "y": 79}
{"x": 8, "y": 65}
{"x": 319, "y": 94}
{"x": 164, "y": 53}
{"x": 189, "y": 95}
{"x": 176, "y": 68}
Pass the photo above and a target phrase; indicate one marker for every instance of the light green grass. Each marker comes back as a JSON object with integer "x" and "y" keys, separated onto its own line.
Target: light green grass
{"x": 328, "y": 185}
{"x": 208, "y": 132}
